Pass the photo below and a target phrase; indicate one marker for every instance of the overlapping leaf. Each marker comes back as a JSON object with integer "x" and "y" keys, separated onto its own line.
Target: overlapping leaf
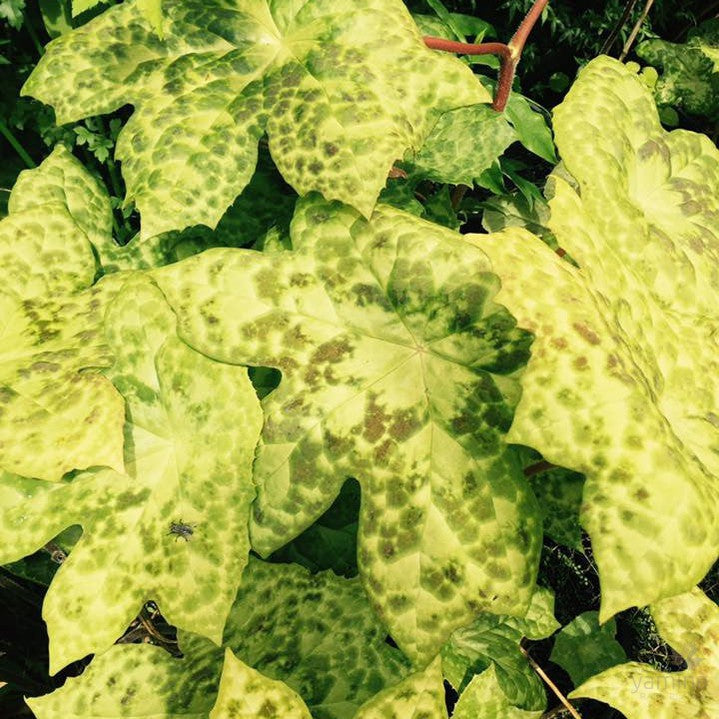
{"x": 315, "y": 633}
{"x": 398, "y": 369}
{"x": 584, "y": 647}
{"x": 245, "y": 693}
{"x": 559, "y": 494}
{"x": 419, "y": 696}
{"x": 484, "y": 698}
{"x": 341, "y": 89}
{"x": 623, "y": 383}
{"x": 494, "y": 641}
{"x": 690, "y": 71}
{"x": 463, "y": 144}
{"x": 57, "y": 413}
{"x": 264, "y": 206}
{"x": 690, "y": 623}
{"x": 192, "y": 425}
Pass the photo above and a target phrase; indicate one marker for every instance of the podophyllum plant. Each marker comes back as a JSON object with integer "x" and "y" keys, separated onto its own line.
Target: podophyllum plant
{"x": 424, "y": 363}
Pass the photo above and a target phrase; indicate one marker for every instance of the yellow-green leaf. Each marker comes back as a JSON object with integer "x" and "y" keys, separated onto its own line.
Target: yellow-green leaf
{"x": 399, "y": 369}
{"x": 246, "y": 694}
{"x": 623, "y": 384}
{"x": 690, "y": 623}
{"x": 341, "y": 89}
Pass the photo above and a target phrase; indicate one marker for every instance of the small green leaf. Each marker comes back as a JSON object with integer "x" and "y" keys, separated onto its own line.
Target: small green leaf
{"x": 690, "y": 623}
{"x": 584, "y": 648}
{"x": 484, "y": 698}
{"x": 246, "y": 694}
{"x": 463, "y": 144}
{"x": 690, "y": 71}
{"x": 494, "y": 641}
{"x": 340, "y": 98}
{"x": 13, "y": 12}
{"x": 531, "y": 127}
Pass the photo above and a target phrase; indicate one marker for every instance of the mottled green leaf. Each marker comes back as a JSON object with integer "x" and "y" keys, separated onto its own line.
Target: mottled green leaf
{"x": 341, "y": 92}
{"x": 484, "y": 698}
{"x": 419, "y": 696}
{"x": 190, "y": 433}
{"x": 331, "y": 542}
{"x": 397, "y": 369}
{"x": 266, "y": 203}
{"x": 584, "y": 648}
{"x": 56, "y": 413}
{"x": 690, "y": 623}
{"x": 61, "y": 178}
{"x": 317, "y": 633}
{"x": 690, "y": 71}
{"x": 493, "y": 641}
{"x": 623, "y": 384}
{"x": 463, "y": 144}
{"x": 246, "y": 694}
{"x": 559, "y": 494}
{"x": 515, "y": 210}
{"x": 138, "y": 680}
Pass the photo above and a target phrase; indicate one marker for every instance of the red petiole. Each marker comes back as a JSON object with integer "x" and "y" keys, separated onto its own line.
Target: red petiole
{"x": 509, "y": 54}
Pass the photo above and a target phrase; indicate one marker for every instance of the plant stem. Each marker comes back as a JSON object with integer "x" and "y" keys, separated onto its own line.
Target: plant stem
{"x": 607, "y": 46}
{"x": 551, "y": 684}
{"x": 114, "y": 179}
{"x": 635, "y": 30}
{"x": 33, "y": 34}
{"x": 7, "y": 133}
{"x": 509, "y": 54}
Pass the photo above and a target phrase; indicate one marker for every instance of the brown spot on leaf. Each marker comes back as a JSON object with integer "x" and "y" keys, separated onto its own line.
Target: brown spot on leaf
{"x": 588, "y": 334}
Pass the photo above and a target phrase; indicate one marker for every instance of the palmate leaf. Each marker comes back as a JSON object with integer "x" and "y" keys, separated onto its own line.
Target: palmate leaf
{"x": 315, "y": 633}
{"x": 397, "y": 369}
{"x": 690, "y": 623}
{"x": 57, "y": 413}
{"x": 494, "y": 641}
{"x": 342, "y": 90}
{"x": 623, "y": 384}
{"x": 192, "y": 425}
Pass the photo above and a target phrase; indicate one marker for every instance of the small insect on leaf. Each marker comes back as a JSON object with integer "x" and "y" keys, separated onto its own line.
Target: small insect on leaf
{"x": 181, "y": 529}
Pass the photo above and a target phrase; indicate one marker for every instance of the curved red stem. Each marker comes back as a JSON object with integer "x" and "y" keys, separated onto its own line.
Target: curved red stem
{"x": 509, "y": 54}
